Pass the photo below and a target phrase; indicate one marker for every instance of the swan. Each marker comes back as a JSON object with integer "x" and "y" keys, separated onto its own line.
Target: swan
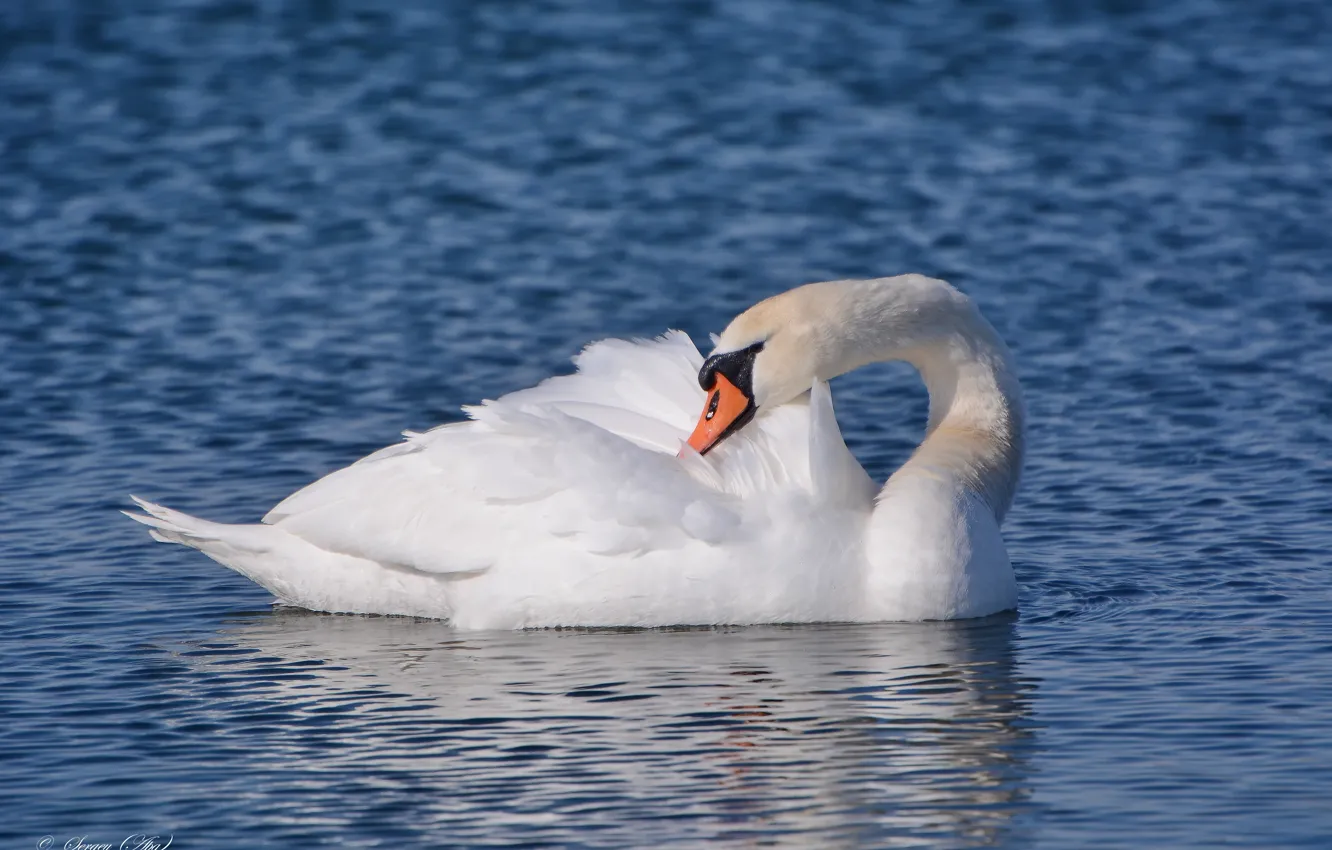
{"x": 596, "y": 499}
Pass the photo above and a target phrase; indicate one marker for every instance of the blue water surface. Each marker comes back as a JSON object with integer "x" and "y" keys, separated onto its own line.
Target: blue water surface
{"x": 244, "y": 243}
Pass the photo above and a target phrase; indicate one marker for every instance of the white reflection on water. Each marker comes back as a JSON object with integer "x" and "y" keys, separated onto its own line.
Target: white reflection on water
{"x": 890, "y": 733}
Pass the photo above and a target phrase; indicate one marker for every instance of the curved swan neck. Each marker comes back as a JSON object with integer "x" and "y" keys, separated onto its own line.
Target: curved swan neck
{"x": 822, "y": 330}
{"x": 975, "y": 431}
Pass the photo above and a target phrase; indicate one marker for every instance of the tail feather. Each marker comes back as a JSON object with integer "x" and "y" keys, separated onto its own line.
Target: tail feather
{"x": 214, "y": 539}
{"x": 296, "y": 571}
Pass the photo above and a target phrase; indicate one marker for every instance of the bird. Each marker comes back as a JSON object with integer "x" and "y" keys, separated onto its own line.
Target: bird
{"x": 656, "y": 486}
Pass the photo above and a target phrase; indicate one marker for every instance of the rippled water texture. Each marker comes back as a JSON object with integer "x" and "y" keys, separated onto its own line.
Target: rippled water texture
{"x": 244, "y": 244}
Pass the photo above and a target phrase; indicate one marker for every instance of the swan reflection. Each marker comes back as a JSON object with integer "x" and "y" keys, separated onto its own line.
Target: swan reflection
{"x": 866, "y": 734}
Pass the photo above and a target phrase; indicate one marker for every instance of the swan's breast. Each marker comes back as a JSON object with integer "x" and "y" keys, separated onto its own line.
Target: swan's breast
{"x": 934, "y": 552}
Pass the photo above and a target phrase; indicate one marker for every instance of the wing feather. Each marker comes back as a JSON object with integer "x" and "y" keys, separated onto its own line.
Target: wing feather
{"x": 585, "y": 461}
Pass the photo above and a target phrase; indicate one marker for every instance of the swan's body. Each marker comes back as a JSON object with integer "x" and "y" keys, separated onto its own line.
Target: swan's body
{"x": 566, "y": 504}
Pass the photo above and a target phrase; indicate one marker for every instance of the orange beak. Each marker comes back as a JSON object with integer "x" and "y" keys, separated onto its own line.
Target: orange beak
{"x": 726, "y": 404}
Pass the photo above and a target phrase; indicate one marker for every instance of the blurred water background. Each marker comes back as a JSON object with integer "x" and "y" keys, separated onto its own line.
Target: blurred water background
{"x": 245, "y": 243}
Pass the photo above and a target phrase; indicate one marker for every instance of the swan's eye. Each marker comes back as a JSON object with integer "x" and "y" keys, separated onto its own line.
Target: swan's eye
{"x": 712, "y": 406}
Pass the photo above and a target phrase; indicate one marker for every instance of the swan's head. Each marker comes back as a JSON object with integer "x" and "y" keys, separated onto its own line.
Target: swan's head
{"x": 768, "y": 355}
{"x": 773, "y": 352}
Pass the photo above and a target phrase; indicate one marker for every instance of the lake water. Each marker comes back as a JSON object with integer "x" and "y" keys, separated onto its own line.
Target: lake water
{"x": 243, "y": 244}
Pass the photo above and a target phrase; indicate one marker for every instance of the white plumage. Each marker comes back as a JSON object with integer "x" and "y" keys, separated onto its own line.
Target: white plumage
{"x": 566, "y": 503}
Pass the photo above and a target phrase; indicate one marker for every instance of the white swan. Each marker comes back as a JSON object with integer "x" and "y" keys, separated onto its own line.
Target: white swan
{"x": 567, "y": 503}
